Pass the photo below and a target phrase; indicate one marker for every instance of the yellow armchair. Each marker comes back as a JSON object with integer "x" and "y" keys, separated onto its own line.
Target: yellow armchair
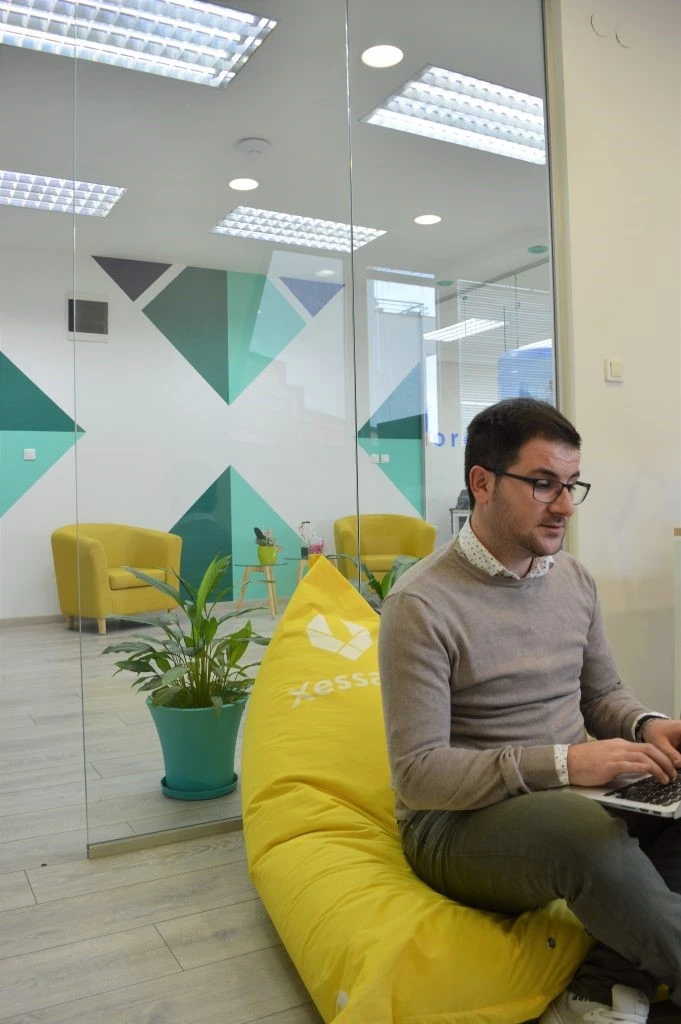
{"x": 381, "y": 539}
{"x": 91, "y": 580}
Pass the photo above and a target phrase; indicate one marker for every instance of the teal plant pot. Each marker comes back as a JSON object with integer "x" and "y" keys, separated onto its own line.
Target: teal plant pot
{"x": 267, "y": 555}
{"x": 198, "y": 749}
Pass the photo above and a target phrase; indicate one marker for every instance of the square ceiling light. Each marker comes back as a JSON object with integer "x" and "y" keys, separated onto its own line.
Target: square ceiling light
{"x": 445, "y": 105}
{"x": 463, "y": 329}
{"x": 40, "y": 192}
{"x": 186, "y": 39}
{"x": 308, "y": 232}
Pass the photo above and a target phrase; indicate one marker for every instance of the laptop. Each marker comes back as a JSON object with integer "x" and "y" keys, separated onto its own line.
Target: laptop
{"x": 641, "y": 793}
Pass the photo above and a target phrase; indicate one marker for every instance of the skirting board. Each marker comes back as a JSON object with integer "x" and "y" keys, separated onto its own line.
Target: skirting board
{"x": 170, "y": 835}
{"x": 32, "y": 620}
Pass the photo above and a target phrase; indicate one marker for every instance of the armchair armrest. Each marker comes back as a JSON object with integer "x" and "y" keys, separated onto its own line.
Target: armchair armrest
{"x": 81, "y": 570}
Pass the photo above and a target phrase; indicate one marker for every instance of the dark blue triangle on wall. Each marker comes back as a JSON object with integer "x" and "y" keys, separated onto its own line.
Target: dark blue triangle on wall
{"x": 132, "y": 276}
{"x": 314, "y": 295}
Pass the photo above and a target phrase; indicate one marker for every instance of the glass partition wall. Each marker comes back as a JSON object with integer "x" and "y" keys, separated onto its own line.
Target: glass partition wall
{"x": 262, "y": 335}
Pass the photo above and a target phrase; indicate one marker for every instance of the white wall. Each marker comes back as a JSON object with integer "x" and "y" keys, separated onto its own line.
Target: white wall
{"x": 616, "y": 132}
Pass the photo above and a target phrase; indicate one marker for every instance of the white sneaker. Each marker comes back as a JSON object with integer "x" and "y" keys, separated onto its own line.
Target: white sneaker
{"x": 629, "y": 1006}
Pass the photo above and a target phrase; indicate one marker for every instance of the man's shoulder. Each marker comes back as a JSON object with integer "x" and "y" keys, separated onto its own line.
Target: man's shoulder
{"x": 440, "y": 567}
{"x": 566, "y": 565}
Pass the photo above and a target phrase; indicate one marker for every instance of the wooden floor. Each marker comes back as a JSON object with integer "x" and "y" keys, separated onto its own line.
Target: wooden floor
{"x": 170, "y": 935}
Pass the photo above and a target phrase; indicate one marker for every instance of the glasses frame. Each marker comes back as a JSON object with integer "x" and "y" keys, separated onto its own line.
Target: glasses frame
{"x": 534, "y": 480}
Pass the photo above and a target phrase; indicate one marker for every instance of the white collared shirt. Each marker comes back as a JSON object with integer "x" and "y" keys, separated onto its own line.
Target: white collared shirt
{"x": 477, "y": 554}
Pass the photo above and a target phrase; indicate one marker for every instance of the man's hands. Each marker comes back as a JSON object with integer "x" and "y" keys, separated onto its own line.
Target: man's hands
{"x": 599, "y": 761}
{"x": 665, "y": 734}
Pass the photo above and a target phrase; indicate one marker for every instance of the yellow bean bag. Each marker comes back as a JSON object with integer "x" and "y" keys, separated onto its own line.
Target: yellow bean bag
{"x": 372, "y": 943}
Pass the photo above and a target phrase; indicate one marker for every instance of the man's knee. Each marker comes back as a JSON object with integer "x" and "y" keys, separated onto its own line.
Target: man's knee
{"x": 582, "y": 838}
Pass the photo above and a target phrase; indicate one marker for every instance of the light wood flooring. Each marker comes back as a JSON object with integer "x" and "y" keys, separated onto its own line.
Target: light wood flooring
{"x": 174, "y": 934}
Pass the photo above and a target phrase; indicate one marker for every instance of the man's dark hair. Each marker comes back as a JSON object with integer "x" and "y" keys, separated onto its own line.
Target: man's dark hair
{"x": 496, "y": 435}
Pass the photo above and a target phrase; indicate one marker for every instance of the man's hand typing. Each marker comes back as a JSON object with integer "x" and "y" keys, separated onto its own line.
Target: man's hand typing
{"x": 599, "y": 761}
{"x": 665, "y": 734}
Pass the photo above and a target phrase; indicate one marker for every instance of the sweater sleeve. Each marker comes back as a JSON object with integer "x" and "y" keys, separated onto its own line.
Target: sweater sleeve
{"x": 609, "y": 708}
{"x": 416, "y": 663}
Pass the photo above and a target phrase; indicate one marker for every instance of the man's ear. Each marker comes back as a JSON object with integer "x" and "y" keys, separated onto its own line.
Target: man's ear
{"x": 481, "y": 483}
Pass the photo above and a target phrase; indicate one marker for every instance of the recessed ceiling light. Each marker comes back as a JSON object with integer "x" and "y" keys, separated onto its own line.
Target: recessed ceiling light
{"x": 308, "y": 232}
{"x": 243, "y": 184}
{"x": 40, "y": 192}
{"x": 464, "y": 329}
{"x": 383, "y": 56}
{"x": 325, "y": 273}
{"x": 403, "y": 273}
{"x": 428, "y": 218}
{"x": 186, "y": 39}
{"x": 445, "y": 105}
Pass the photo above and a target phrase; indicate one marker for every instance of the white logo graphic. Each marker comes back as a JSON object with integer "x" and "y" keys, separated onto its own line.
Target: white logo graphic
{"x": 320, "y": 635}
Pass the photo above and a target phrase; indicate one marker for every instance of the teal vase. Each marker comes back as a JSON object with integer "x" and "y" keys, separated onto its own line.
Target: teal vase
{"x": 198, "y": 747}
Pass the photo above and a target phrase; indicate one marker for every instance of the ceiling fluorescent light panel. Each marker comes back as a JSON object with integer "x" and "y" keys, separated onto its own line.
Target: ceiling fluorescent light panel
{"x": 185, "y": 39}
{"x": 307, "y": 232}
{"x": 445, "y": 105}
{"x": 463, "y": 329}
{"x": 40, "y": 192}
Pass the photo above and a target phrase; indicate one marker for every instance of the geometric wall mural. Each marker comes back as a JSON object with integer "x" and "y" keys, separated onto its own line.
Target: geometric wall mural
{"x": 313, "y": 295}
{"x": 221, "y": 521}
{"x": 205, "y": 529}
{"x": 132, "y": 276}
{"x": 228, "y": 325}
{"x": 260, "y": 324}
{"x": 396, "y": 429}
{"x": 29, "y": 419}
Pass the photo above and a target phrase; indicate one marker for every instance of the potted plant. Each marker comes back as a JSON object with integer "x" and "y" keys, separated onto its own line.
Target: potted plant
{"x": 268, "y": 549}
{"x": 375, "y": 590}
{"x": 197, "y": 683}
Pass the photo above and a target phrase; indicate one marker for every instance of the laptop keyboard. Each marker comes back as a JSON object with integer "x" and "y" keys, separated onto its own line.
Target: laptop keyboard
{"x": 650, "y": 791}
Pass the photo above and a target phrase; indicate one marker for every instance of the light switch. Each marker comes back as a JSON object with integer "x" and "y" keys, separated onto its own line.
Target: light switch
{"x": 614, "y": 370}
{"x": 374, "y": 458}
{"x": 29, "y": 454}
{"x": 385, "y": 457}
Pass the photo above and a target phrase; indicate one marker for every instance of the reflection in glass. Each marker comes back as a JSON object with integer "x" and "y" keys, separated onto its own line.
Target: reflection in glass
{"x": 246, "y": 382}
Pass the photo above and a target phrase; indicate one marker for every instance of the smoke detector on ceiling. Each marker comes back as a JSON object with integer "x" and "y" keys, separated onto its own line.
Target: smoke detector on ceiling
{"x": 253, "y": 147}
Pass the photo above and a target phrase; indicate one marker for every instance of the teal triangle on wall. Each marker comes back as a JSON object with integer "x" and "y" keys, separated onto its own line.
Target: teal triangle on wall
{"x": 401, "y": 414}
{"x": 206, "y": 531}
{"x": 261, "y": 323}
{"x": 192, "y": 314}
{"x": 18, "y": 474}
{"x": 23, "y": 406}
{"x": 249, "y": 509}
{"x": 405, "y": 468}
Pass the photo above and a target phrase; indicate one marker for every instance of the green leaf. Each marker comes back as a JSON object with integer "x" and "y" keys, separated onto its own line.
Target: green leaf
{"x": 151, "y": 581}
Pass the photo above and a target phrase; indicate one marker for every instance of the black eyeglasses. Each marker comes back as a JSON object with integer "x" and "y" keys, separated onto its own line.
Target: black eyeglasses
{"x": 548, "y": 491}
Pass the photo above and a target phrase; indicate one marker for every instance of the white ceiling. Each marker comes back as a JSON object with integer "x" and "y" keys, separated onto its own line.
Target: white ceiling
{"x": 172, "y": 144}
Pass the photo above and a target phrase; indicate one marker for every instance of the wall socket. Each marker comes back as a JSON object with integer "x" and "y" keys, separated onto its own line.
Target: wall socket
{"x": 29, "y": 454}
{"x": 385, "y": 457}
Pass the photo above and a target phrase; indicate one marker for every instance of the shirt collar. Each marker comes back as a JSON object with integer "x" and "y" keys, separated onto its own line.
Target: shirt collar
{"x": 475, "y": 552}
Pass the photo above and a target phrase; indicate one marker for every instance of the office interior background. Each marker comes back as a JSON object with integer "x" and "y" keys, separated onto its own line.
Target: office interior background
{"x": 250, "y": 382}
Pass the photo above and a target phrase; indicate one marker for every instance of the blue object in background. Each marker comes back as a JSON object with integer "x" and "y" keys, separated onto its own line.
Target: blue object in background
{"x": 528, "y": 372}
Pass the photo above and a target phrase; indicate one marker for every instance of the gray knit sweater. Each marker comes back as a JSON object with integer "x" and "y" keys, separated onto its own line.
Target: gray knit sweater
{"x": 481, "y": 676}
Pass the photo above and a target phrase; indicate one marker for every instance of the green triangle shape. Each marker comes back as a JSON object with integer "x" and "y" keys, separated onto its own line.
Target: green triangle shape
{"x": 23, "y": 406}
{"x": 205, "y": 529}
{"x": 406, "y": 466}
{"x": 261, "y": 323}
{"x": 192, "y": 314}
{"x": 401, "y": 414}
{"x": 19, "y": 475}
{"x": 249, "y": 509}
